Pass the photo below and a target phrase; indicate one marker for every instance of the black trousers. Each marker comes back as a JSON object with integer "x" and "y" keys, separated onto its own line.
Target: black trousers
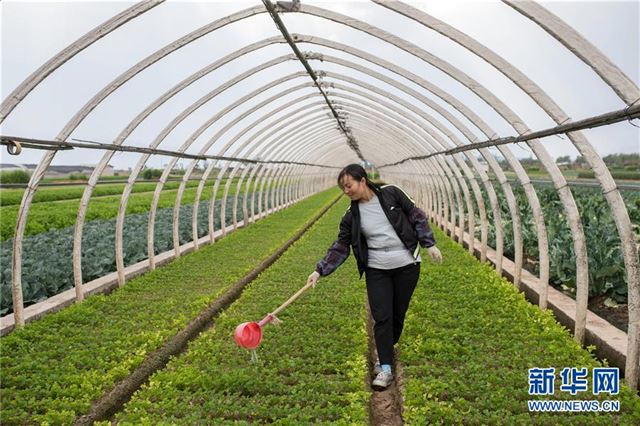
{"x": 389, "y": 292}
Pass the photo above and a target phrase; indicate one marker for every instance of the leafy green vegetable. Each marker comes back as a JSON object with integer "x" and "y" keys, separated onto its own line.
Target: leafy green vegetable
{"x": 54, "y": 367}
{"x": 47, "y": 267}
{"x": 469, "y": 340}
{"x": 311, "y": 368}
{"x": 606, "y": 264}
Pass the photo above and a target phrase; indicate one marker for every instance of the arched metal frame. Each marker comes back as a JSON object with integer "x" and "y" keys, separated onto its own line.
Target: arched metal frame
{"x": 442, "y": 182}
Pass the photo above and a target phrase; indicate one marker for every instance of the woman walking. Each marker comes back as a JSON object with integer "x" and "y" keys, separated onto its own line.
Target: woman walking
{"x": 386, "y": 230}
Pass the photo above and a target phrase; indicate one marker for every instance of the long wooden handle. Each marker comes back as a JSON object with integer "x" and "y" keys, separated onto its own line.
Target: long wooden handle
{"x": 291, "y": 299}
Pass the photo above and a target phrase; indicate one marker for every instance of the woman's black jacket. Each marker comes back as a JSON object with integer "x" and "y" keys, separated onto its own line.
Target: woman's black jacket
{"x": 409, "y": 222}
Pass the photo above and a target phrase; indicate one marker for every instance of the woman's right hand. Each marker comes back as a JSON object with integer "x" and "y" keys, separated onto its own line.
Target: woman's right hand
{"x": 313, "y": 279}
{"x": 435, "y": 254}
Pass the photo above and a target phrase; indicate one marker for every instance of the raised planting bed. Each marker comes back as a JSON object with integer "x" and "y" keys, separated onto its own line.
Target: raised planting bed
{"x": 470, "y": 339}
{"x": 607, "y": 275}
{"x": 55, "y": 367}
{"x": 312, "y": 368}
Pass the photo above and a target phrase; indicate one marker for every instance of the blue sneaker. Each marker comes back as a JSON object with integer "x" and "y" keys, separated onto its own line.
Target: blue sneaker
{"x": 382, "y": 380}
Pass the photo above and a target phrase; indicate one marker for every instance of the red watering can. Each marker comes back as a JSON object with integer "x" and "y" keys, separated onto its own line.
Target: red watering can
{"x": 248, "y": 335}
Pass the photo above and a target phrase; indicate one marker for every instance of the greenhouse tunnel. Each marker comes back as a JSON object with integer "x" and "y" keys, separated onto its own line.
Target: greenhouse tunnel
{"x": 258, "y": 122}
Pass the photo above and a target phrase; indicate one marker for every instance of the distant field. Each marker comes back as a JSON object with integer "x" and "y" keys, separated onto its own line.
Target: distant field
{"x": 622, "y": 177}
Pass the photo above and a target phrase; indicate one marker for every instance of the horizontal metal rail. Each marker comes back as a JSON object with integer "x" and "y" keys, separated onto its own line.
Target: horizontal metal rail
{"x": 629, "y": 113}
{"x": 16, "y": 143}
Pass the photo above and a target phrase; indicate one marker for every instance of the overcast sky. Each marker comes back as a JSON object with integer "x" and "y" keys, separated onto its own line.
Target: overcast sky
{"x": 32, "y": 32}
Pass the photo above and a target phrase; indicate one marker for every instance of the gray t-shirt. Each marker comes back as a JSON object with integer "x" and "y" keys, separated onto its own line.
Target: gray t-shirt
{"x": 386, "y": 250}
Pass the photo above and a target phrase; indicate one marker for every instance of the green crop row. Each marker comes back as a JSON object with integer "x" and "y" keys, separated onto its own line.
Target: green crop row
{"x": 47, "y": 267}
{"x": 606, "y": 264}
{"x": 469, "y": 341}
{"x": 616, "y": 174}
{"x": 311, "y": 368}
{"x": 14, "y": 176}
{"x": 55, "y": 367}
{"x": 11, "y": 197}
{"x": 56, "y": 215}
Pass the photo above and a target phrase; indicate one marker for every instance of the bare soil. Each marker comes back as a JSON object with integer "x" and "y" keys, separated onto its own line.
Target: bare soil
{"x": 618, "y": 316}
{"x": 385, "y": 407}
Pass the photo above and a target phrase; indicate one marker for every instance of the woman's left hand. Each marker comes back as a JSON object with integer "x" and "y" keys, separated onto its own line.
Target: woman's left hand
{"x": 435, "y": 254}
